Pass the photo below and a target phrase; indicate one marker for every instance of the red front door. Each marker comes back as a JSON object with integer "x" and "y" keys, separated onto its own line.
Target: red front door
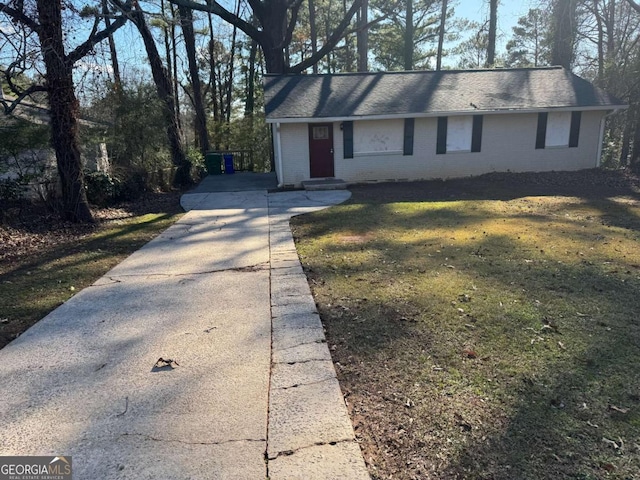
{"x": 321, "y": 150}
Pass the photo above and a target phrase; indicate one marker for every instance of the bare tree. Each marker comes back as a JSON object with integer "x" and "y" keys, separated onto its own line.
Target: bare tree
{"x": 441, "y": 33}
{"x": 563, "y": 32}
{"x": 493, "y": 27}
{"x": 362, "y": 38}
{"x": 186, "y": 18}
{"x": 276, "y": 20}
{"x": 408, "y": 36}
{"x": 165, "y": 93}
{"x": 47, "y": 23}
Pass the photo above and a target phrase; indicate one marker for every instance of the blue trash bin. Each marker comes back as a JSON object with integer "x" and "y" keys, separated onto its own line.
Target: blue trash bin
{"x": 228, "y": 163}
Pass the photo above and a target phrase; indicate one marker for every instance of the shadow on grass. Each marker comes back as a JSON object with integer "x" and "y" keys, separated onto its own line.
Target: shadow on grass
{"x": 564, "y": 402}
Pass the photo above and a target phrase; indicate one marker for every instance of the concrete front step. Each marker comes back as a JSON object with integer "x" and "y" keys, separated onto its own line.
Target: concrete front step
{"x": 325, "y": 184}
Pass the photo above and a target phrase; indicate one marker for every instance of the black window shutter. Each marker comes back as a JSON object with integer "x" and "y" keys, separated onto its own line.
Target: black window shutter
{"x": 408, "y": 136}
{"x": 347, "y": 136}
{"x": 574, "y": 133}
{"x": 476, "y": 135}
{"x": 541, "y": 134}
{"x": 441, "y": 146}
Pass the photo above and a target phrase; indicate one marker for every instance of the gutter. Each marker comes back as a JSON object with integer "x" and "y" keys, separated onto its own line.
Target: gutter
{"x": 401, "y": 116}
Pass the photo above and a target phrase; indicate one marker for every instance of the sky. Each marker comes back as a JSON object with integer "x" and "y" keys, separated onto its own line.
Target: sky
{"x": 133, "y": 59}
{"x": 508, "y": 13}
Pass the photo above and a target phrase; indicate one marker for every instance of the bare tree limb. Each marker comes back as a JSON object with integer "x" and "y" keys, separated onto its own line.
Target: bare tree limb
{"x": 295, "y": 9}
{"x": 10, "y": 106}
{"x": 634, "y": 5}
{"x": 95, "y": 38}
{"x": 335, "y": 37}
{"x": 214, "y": 7}
{"x": 19, "y": 16}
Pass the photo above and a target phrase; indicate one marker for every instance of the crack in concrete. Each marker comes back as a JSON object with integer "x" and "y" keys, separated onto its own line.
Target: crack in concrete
{"x": 323, "y": 340}
{"x": 258, "y": 267}
{"x": 296, "y": 385}
{"x": 303, "y": 361}
{"x": 287, "y": 453}
{"x": 165, "y": 440}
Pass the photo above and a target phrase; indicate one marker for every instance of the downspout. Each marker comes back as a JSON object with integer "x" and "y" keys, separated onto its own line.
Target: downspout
{"x": 601, "y": 136}
{"x": 277, "y": 151}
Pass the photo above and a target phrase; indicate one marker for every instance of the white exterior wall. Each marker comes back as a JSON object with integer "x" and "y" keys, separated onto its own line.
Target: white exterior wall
{"x": 508, "y": 144}
{"x": 294, "y": 148}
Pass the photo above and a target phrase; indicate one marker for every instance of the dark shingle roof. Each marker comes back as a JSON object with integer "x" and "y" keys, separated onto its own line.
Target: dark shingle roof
{"x": 428, "y": 93}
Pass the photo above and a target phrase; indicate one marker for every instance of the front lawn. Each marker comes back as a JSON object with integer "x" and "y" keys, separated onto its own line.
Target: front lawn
{"x": 486, "y": 328}
{"x": 44, "y": 262}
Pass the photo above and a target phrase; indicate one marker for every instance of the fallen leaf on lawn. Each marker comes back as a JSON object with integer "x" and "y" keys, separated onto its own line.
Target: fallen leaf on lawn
{"x": 470, "y": 353}
{"x": 548, "y": 324}
{"x": 618, "y": 409}
{"x": 561, "y": 345}
{"x": 609, "y": 467}
{"x": 611, "y": 443}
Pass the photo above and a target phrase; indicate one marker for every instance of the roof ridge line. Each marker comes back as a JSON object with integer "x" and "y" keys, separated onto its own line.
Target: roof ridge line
{"x": 405, "y": 72}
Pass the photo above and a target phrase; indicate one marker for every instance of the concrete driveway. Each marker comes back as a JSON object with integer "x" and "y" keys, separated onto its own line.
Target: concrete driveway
{"x": 245, "y": 389}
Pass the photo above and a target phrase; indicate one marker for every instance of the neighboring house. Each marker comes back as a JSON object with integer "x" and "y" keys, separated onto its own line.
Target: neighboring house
{"x": 417, "y": 125}
{"x": 25, "y": 154}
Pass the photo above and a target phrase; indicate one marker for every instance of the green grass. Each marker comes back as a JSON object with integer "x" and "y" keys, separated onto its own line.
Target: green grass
{"x": 35, "y": 284}
{"x": 482, "y": 338}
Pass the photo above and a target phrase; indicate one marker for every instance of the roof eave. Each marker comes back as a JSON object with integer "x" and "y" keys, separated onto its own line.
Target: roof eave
{"x": 442, "y": 114}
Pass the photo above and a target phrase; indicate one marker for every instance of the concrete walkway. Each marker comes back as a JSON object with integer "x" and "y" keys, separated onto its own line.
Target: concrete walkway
{"x": 250, "y": 390}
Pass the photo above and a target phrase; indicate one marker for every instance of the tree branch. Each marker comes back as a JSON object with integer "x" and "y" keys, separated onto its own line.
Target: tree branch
{"x": 217, "y": 9}
{"x": 295, "y": 9}
{"x": 331, "y": 41}
{"x": 9, "y": 107}
{"x": 95, "y": 38}
{"x": 634, "y": 5}
{"x": 19, "y": 16}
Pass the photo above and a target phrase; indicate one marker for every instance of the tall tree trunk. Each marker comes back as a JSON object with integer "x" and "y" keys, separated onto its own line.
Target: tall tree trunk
{"x": 600, "y": 45}
{"x": 408, "y": 36}
{"x": 186, "y": 17}
{"x": 113, "y": 53}
{"x": 493, "y": 27}
{"x": 176, "y": 84}
{"x": 313, "y": 32}
{"x": 363, "y": 37}
{"x": 212, "y": 72}
{"x": 251, "y": 80}
{"x": 166, "y": 95}
{"x": 231, "y": 65}
{"x": 441, "y": 32}
{"x": 563, "y": 32}
{"x": 63, "y": 106}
